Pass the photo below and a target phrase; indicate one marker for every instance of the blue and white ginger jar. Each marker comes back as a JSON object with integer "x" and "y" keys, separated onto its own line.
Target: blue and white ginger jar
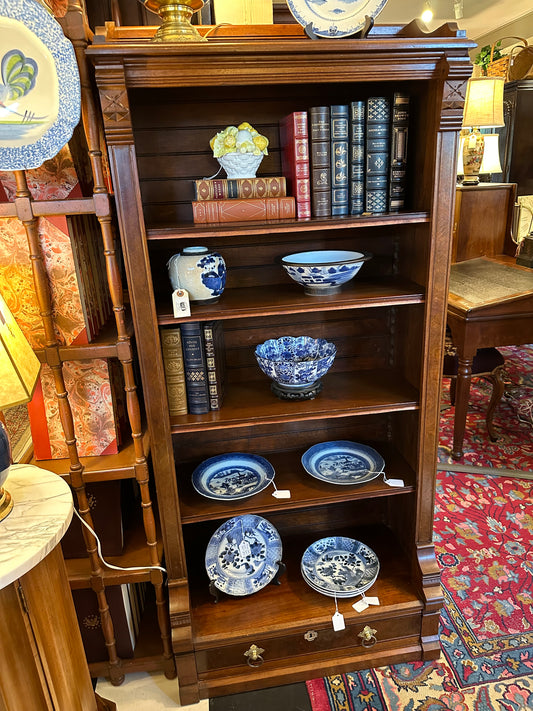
{"x": 200, "y": 272}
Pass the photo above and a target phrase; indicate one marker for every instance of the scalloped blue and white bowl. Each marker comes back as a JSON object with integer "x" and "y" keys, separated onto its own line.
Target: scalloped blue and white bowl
{"x": 295, "y": 361}
{"x": 323, "y": 271}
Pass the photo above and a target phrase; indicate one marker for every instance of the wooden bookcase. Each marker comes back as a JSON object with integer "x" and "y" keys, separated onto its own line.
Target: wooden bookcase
{"x": 161, "y": 104}
{"x": 143, "y": 546}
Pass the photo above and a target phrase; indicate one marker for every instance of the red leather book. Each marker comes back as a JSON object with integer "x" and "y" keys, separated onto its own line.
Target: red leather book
{"x": 244, "y": 188}
{"x": 243, "y": 210}
{"x": 294, "y": 142}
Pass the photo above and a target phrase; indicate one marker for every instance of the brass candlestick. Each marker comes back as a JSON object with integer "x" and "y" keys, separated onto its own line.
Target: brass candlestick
{"x": 176, "y": 16}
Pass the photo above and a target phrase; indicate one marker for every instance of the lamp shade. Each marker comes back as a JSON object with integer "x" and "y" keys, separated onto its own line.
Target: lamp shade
{"x": 484, "y": 102}
{"x": 19, "y": 366}
{"x": 491, "y": 155}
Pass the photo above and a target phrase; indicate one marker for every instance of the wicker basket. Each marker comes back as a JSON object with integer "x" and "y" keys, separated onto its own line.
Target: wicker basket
{"x": 500, "y": 67}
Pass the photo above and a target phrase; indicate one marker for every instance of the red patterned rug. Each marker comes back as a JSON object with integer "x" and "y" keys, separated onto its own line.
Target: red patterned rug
{"x": 513, "y": 418}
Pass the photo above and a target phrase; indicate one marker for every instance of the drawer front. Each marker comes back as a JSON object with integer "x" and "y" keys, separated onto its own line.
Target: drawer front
{"x": 314, "y": 639}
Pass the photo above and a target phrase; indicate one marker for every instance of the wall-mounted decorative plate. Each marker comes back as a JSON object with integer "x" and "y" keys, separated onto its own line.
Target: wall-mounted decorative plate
{"x": 334, "y": 18}
{"x": 343, "y": 462}
{"x": 228, "y": 477}
{"x": 39, "y": 85}
{"x": 339, "y": 566}
{"x": 243, "y": 555}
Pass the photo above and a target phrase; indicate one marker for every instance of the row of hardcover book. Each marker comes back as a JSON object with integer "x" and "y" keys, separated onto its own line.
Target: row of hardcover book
{"x": 194, "y": 363}
{"x": 344, "y": 159}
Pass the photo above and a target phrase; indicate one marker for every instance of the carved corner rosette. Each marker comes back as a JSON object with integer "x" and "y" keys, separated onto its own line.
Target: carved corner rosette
{"x": 454, "y": 94}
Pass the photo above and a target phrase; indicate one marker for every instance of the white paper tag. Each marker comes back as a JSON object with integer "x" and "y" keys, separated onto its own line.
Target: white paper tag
{"x": 371, "y": 600}
{"x": 282, "y": 494}
{"x": 394, "y": 482}
{"x": 180, "y": 303}
{"x": 360, "y": 605}
{"x": 338, "y": 621}
{"x": 244, "y": 549}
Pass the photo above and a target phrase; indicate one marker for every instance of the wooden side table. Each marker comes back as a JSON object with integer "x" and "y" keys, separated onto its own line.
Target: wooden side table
{"x": 43, "y": 661}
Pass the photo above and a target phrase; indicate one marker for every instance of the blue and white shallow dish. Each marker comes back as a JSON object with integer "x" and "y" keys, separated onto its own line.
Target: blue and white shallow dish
{"x": 295, "y": 360}
{"x": 40, "y": 93}
{"x": 229, "y": 477}
{"x": 339, "y": 567}
{"x": 242, "y": 556}
{"x": 343, "y": 462}
{"x": 334, "y": 18}
{"x": 322, "y": 272}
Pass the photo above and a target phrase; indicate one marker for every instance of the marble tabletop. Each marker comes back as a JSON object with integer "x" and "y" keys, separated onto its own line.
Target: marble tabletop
{"x": 41, "y": 514}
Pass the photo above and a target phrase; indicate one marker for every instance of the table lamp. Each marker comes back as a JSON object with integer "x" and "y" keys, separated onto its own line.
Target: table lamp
{"x": 19, "y": 370}
{"x": 483, "y": 109}
{"x": 491, "y": 156}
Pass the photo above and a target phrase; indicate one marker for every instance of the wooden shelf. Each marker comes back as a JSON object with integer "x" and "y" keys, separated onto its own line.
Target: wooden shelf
{"x": 305, "y": 490}
{"x": 190, "y": 231}
{"x": 343, "y": 395}
{"x": 135, "y": 555}
{"x": 106, "y": 467}
{"x": 250, "y": 302}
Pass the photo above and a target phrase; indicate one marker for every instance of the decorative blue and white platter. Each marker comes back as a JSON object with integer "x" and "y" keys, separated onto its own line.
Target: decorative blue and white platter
{"x": 242, "y": 556}
{"x": 229, "y": 477}
{"x": 339, "y": 567}
{"x": 39, "y": 85}
{"x": 343, "y": 462}
{"x": 334, "y": 18}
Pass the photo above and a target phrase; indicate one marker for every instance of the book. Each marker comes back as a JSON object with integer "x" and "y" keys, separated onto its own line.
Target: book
{"x": 194, "y": 363}
{"x": 294, "y": 142}
{"x": 398, "y": 153}
{"x": 243, "y": 210}
{"x": 244, "y": 188}
{"x": 356, "y": 159}
{"x": 339, "y": 118}
{"x": 377, "y": 154}
{"x": 215, "y": 357}
{"x": 174, "y": 371}
{"x": 320, "y": 160}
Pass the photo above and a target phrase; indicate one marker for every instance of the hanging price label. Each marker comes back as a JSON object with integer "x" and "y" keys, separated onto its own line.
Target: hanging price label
{"x": 394, "y": 482}
{"x": 338, "y": 621}
{"x": 180, "y": 303}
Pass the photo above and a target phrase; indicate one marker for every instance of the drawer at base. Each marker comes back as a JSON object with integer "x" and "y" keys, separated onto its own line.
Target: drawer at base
{"x": 257, "y": 649}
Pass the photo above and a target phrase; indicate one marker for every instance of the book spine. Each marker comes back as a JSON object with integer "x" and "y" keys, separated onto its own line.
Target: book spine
{"x": 174, "y": 371}
{"x": 215, "y": 361}
{"x": 243, "y": 210}
{"x": 377, "y": 154}
{"x": 194, "y": 364}
{"x": 244, "y": 188}
{"x": 398, "y": 156}
{"x": 339, "y": 118}
{"x": 357, "y": 158}
{"x": 320, "y": 160}
{"x": 294, "y": 141}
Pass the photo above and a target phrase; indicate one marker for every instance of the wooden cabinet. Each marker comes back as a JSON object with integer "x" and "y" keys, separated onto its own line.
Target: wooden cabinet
{"x": 516, "y": 142}
{"x": 161, "y": 104}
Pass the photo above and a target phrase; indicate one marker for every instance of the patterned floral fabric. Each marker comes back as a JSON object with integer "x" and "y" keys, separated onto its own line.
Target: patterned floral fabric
{"x": 484, "y": 545}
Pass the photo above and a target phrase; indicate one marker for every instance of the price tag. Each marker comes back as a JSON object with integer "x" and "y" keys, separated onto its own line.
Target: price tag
{"x": 338, "y": 621}
{"x": 244, "y": 549}
{"x": 282, "y": 494}
{"x": 371, "y": 600}
{"x": 360, "y": 605}
{"x": 394, "y": 482}
{"x": 180, "y": 303}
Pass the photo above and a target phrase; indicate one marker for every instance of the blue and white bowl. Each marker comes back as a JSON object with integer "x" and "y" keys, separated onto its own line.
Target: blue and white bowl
{"x": 295, "y": 361}
{"x": 323, "y": 271}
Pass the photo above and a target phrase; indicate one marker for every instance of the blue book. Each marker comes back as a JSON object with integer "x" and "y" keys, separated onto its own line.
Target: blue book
{"x": 356, "y": 158}
{"x": 377, "y": 154}
{"x": 339, "y": 117}
{"x": 195, "y": 366}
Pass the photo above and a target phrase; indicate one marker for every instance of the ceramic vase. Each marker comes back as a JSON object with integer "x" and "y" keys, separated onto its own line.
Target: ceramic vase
{"x": 200, "y": 272}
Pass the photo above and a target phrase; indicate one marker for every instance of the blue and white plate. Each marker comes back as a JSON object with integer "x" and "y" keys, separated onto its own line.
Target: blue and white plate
{"x": 40, "y": 93}
{"x": 339, "y": 567}
{"x": 229, "y": 477}
{"x": 334, "y": 18}
{"x": 242, "y": 556}
{"x": 343, "y": 462}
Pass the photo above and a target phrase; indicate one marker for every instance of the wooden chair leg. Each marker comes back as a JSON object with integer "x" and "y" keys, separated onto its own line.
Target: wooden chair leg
{"x": 498, "y": 387}
{"x": 452, "y": 390}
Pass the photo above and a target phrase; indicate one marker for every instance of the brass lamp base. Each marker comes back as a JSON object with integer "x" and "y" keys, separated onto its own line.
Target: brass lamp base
{"x": 176, "y": 16}
{"x": 6, "y": 503}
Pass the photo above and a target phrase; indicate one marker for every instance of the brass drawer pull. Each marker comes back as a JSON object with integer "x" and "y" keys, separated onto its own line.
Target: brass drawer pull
{"x": 310, "y": 636}
{"x": 368, "y": 636}
{"x": 253, "y": 656}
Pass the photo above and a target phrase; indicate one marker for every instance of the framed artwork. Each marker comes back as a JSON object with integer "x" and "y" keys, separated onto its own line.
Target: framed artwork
{"x": 39, "y": 85}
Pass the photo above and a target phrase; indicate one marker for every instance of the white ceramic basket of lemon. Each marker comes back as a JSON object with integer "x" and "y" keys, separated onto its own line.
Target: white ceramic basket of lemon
{"x": 239, "y": 150}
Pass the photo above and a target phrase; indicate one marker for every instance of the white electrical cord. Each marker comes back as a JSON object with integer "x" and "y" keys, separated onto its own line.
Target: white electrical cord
{"x": 109, "y": 565}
